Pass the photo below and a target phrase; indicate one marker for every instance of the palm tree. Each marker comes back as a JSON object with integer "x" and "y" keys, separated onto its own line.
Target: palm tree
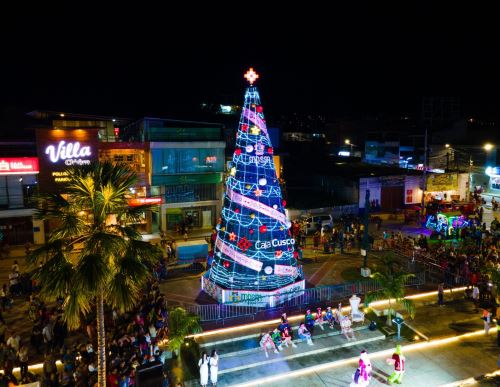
{"x": 392, "y": 282}
{"x": 180, "y": 325}
{"x": 94, "y": 255}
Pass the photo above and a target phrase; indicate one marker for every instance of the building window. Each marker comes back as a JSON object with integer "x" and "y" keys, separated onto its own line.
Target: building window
{"x": 191, "y": 160}
{"x": 190, "y": 193}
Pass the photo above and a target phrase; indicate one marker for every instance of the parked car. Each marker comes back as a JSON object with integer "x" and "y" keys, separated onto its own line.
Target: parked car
{"x": 312, "y": 223}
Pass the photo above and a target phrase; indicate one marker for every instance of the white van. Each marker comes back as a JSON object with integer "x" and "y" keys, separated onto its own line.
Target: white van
{"x": 312, "y": 222}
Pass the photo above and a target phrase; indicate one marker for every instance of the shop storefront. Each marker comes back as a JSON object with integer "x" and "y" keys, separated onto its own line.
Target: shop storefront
{"x": 136, "y": 156}
{"x": 493, "y": 181}
{"x": 188, "y": 176}
{"x": 18, "y": 184}
{"x": 447, "y": 187}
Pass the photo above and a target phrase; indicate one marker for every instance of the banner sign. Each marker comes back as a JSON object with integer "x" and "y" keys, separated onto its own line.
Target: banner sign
{"x": 238, "y": 257}
{"x": 255, "y": 205}
{"x": 254, "y": 118}
{"x": 19, "y": 166}
{"x": 134, "y": 202}
{"x": 285, "y": 270}
{"x": 443, "y": 182}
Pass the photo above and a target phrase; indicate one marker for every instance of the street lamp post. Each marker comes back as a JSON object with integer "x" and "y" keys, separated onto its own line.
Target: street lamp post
{"x": 487, "y": 147}
{"x": 348, "y": 142}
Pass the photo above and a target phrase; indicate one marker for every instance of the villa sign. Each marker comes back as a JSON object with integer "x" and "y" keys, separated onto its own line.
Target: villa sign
{"x": 60, "y": 149}
{"x": 73, "y": 153}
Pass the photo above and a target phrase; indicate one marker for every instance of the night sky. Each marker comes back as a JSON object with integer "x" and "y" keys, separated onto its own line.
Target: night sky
{"x": 331, "y": 61}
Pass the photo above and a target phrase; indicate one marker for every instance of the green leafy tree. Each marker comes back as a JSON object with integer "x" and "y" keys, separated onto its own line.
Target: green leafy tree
{"x": 180, "y": 325}
{"x": 94, "y": 255}
{"x": 392, "y": 282}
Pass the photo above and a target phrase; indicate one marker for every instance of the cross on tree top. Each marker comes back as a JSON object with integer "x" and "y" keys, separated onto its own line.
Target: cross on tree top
{"x": 251, "y": 76}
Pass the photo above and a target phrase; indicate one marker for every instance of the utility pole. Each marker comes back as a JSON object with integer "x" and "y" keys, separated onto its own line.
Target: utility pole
{"x": 365, "y": 271}
{"x": 424, "y": 175}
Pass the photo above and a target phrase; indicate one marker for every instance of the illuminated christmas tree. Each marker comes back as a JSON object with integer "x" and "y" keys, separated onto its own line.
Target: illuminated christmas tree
{"x": 254, "y": 251}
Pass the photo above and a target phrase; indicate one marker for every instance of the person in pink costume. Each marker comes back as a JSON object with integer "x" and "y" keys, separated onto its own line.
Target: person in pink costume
{"x": 363, "y": 373}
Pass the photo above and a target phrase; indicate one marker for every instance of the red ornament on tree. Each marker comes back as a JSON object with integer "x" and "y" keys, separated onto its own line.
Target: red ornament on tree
{"x": 237, "y": 152}
{"x": 226, "y": 264}
{"x": 263, "y": 228}
{"x": 244, "y": 244}
{"x": 250, "y": 231}
{"x": 270, "y": 150}
{"x": 278, "y": 253}
{"x": 284, "y": 203}
{"x": 237, "y": 210}
{"x": 259, "y": 109}
{"x": 295, "y": 254}
{"x": 244, "y": 127}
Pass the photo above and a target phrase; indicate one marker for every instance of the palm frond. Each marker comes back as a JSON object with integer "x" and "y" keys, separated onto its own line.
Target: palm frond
{"x": 124, "y": 231}
{"x": 105, "y": 244}
{"x": 71, "y": 226}
{"x": 181, "y": 324}
{"x": 75, "y": 305}
{"x": 375, "y": 296}
{"x": 92, "y": 273}
{"x": 44, "y": 252}
{"x": 55, "y": 276}
{"x": 133, "y": 268}
{"x": 122, "y": 292}
{"x": 408, "y": 306}
{"x": 145, "y": 251}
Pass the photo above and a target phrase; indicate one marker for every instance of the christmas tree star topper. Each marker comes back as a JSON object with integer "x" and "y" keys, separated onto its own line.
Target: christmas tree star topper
{"x": 251, "y": 76}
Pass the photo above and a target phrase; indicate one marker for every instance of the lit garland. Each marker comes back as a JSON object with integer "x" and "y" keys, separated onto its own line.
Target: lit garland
{"x": 254, "y": 248}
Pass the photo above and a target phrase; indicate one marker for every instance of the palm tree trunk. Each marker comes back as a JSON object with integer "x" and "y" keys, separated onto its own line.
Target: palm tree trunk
{"x": 389, "y": 315}
{"x": 101, "y": 341}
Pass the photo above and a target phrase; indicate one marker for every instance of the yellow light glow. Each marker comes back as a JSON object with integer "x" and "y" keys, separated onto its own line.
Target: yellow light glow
{"x": 251, "y": 76}
{"x": 386, "y": 352}
{"x": 345, "y": 309}
{"x": 347, "y": 141}
{"x": 487, "y": 147}
{"x": 446, "y": 145}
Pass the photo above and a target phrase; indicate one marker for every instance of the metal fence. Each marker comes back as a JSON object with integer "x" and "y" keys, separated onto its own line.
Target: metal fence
{"x": 320, "y": 296}
{"x": 418, "y": 261}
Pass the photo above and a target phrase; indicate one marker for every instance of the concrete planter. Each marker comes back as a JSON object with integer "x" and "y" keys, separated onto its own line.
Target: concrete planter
{"x": 383, "y": 312}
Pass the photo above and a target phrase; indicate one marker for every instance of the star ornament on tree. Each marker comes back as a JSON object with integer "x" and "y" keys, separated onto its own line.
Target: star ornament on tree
{"x": 232, "y": 236}
{"x": 255, "y": 130}
{"x": 251, "y": 76}
{"x": 258, "y": 192}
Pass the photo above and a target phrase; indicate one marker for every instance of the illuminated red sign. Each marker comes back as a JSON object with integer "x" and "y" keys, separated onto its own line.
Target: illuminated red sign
{"x": 143, "y": 201}
{"x": 19, "y": 166}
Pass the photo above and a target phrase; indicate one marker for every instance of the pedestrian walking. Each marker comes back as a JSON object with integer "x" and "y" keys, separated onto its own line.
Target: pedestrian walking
{"x": 214, "y": 367}
{"x": 498, "y": 333}
{"x": 441, "y": 294}
{"x": 475, "y": 297}
{"x": 203, "y": 366}
{"x": 487, "y": 321}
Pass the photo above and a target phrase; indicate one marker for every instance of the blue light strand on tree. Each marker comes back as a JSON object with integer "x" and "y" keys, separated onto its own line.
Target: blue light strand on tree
{"x": 254, "y": 249}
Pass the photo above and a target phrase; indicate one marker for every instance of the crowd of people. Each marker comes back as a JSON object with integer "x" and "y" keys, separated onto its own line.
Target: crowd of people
{"x": 133, "y": 338}
{"x": 345, "y": 234}
{"x": 283, "y": 336}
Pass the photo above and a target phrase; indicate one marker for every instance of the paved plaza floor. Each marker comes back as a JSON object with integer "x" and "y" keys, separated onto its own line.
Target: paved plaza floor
{"x": 439, "y": 357}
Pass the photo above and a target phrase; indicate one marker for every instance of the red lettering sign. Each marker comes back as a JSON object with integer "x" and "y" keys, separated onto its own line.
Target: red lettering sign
{"x": 19, "y": 166}
{"x": 143, "y": 201}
